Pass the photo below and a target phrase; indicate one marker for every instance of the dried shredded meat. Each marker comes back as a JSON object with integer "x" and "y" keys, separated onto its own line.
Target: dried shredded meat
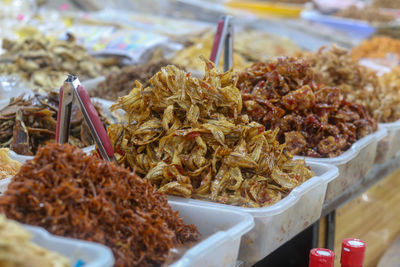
{"x": 72, "y": 194}
{"x": 313, "y": 119}
{"x": 186, "y": 135}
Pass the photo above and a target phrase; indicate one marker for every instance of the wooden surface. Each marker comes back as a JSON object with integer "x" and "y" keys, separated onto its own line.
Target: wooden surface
{"x": 391, "y": 258}
{"x": 374, "y": 217}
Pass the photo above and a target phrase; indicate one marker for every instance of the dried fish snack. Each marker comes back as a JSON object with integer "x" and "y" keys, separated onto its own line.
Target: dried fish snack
{"x": 8, "y": 166}
{"x": 17, "y": 249}
{"x": 80, "y": 196}
{"x": 313, "y": 119}
{"x": 45, "y": 62}
{"x": 368, "y": 13}
{"x": 30, "y": 121}
{"x": 186, "y": 135}
{"x": 121, "y": 83}
{"x": 376, "y": 47}
{"x": 358, "y": 84}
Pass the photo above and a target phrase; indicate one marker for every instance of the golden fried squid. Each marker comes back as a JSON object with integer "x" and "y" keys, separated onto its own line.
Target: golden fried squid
{"x": 188, "y": 137}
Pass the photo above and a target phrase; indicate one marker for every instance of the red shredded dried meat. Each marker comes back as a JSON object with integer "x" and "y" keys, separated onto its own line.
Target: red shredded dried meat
{"x": 75, "y": 195}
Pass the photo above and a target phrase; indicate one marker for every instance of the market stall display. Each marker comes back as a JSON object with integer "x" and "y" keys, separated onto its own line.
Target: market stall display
{"x": 17, "y": 248}
{"x": 187, "y": 136}
{"x": 86, "y": 198}
{"x": 45, "y": 62}
{"x": 246, "y": 50}
{"x": 121, "y": 83}
{"x": 30, "y": 121}
{"x": 313, "y": 119}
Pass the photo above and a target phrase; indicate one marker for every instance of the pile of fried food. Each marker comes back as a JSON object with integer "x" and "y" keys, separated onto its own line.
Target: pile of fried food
{"x": 121, "y": 83}
{"x": 45, "y": 62}
{"x": 368, "y": 13}
{"x": 312, "y": 118}
{"x": 333, "y": 67}
{"x": 17, "y": 249}
{"x": 72, "y": 194}
{"x": 8, "y": 166}
{"x": 187, "y": 136}
{"x": 30, "y": 121}
{"x": 376, "y": 47}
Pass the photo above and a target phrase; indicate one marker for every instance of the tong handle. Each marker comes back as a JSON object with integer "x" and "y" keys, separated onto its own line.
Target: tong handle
{"x": 95, "y": 119}
{"x": 59, "y": 114}
{"x": 217, "y": 45}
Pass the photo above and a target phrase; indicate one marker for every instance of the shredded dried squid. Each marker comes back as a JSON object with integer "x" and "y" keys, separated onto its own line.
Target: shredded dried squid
{"x": 187, "y": 136}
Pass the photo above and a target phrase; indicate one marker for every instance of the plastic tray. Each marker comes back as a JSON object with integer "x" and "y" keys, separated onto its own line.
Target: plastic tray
{"x": 92, "y": 254}
{"x": 353, "y": 164}
{"x": 355, "y": 28}
{"x": 276, "y": 224}
{"x": 4, "y": 185}
{"x": 389, "y": 146}
{"x": 221, "y": 232}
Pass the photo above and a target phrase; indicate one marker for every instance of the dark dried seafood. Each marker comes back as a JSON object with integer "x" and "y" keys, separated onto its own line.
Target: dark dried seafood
{"x": 29, "y": 122}
{"x": 72, "y": 194}
{"x": 121, "y": 83}
{"x": 313, "y": 119}
{"x": 46, "y": 62}
{"x": 333, "y": 67}
{"x": 187, "y": 136}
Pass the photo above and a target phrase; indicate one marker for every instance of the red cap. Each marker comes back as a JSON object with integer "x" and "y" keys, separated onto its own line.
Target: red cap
{"x": 321, "y": 257}
{"x": 353, "y": 252}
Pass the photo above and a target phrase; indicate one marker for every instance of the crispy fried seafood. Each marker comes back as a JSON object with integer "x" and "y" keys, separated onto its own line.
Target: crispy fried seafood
{"x": 187, "y": 136}
{"x": 72, "y": 194}
{"x": 333, "y": 67}
{"x": 46, "y": 62}
{"x": 17, "y": 249}
{"x": 28, "y": 122}
{"x": 376, "y": 47}
{"x": 312, "y": 119}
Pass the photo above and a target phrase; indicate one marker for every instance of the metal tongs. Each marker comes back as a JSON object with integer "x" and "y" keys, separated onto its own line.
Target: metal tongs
{"x": 223, "y": 39}
{"x": 72, "y": 88}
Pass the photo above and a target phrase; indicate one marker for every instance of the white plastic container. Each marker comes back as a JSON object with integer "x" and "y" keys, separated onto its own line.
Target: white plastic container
{"x": 221, "y": 232}
{"x": 276, "y": 224}
{"x": 389, "y": 146}
{"x": 353, "y": 164}
{"x": 4, "y": 185}
{"x": 92, "y": 254}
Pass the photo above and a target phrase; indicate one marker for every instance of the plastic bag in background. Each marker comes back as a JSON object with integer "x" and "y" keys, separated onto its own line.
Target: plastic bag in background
{"x": 12, "y": 86}
{"x": 379, "y": 65}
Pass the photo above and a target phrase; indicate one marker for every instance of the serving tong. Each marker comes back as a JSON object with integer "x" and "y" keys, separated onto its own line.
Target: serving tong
{"x": 70, "y": 90}
{"x": 223, "y": 40}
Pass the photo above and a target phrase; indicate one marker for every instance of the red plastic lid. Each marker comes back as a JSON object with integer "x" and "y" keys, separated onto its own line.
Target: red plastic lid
{"x": 353, "y": 252}
{"x": 321, "y": 257}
